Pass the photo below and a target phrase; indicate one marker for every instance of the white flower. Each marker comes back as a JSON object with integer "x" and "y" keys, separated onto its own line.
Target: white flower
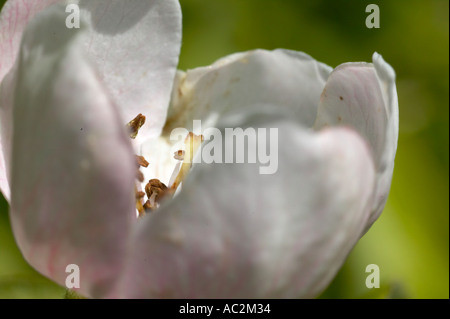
{"x": 68, "y": 167}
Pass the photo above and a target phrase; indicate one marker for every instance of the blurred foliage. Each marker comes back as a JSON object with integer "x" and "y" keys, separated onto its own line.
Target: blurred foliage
{"x": 410, "y": 241}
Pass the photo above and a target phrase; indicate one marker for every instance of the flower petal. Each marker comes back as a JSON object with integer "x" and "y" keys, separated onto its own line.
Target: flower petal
{"x": 6, "y": 96}
{"x": 233, "y": 233}
{"x": 73, "y": 167}
{"x": 363, "y": 96}
{"x": 293, "y": 81}
{"x": 134, "y": 45}
{"x": 386, "y": 78}
{"x": 14, "y": 17}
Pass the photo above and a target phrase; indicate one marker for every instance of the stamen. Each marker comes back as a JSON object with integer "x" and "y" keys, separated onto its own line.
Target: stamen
{"x": 192, "y": 143}
{"x": 152, "y": 200}
{"x": 156, "y": 190}
{"x": 155, "y": 186}
{"x": 135, "y": 124}
{"x": 151, "y": 203}
{"x": 140, "y": 176}
{"x": 141, "y": 161}
{"x": 179, "y": 155}
{"x": 174, "y": 175}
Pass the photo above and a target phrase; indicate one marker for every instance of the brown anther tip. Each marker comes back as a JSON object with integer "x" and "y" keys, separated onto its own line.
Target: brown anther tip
{"x": 155, "y": 186}
{"x": 179, "y": 155}
{"x": 140, "y": 176}
{"x": 141, "y": 161}
{"x": 157, "y": 183}
{"x": 135, "y": 124}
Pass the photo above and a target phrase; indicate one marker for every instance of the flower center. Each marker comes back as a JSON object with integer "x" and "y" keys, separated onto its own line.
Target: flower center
{"x": 155, "y": 190}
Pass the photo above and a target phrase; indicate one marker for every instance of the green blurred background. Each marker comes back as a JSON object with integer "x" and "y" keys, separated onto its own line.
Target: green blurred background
{"x": 410, "y": 241}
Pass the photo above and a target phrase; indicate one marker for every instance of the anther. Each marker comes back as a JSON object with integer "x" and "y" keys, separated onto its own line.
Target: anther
{"x": 135, "y": 124}
{"x": 155, "y": 190}
{"x": 179, "y": 155}
{"x": 139, "y": 176}
{"x": 141, "y": 161}
{"x": 192, "y": 142}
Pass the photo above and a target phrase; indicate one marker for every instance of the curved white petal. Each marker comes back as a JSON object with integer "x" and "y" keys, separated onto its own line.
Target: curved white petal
{"x": 233, "y": 233}
{"x": 386, "y": 78}
{"x": 363, "y": 96}
{"x": 292, "y": 81}
{"x": 134, "y": 44}
{"x": 73, "y": 167}
{"x": 6, "y": 97}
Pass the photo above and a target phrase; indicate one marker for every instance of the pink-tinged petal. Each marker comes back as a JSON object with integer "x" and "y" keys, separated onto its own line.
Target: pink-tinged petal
{"x": 292, "y": 81}
{"x": 363, "y": 96}
{"x": 233, "y": 233}
{"x": 14, "y": 17}
{"x": 134, "y": 44}
{"x": 73, "y": 167}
